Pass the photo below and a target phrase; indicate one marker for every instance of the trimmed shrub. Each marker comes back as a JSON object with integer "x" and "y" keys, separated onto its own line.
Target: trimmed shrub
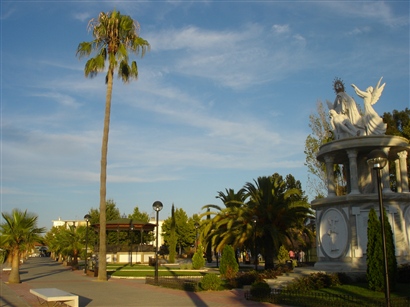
{"x": 198, "y": 260}
{"x": 210, "y": 282}
{"x": 260, "y": 290}
{"x": 314, "y": 281}
{"x": 228, "y": 266}
{"x": 283, "y": 255}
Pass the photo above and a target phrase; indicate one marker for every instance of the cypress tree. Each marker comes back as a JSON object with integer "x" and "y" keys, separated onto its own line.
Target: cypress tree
{"x": 229, "y": 266}
{"x": 375, "y": 261}
{"x": 172, "y": 237}
{"x": 391, "y": 252}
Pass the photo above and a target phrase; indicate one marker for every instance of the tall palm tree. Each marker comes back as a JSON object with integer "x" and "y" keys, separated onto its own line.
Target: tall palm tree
{"x": 281, "y": 208}
{"x": 18, "y": 231}
{"x": 114, "y": 34}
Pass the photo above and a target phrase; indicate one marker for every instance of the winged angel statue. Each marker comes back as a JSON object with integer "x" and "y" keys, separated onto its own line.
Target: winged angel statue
{"x": 346, "y": 119}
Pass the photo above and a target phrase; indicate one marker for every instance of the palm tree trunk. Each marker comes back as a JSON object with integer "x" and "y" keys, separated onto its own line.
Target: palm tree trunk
{"x": 102, "y": 255}
{"x": 269, "y": 253}
{"x": 14, "y": 277}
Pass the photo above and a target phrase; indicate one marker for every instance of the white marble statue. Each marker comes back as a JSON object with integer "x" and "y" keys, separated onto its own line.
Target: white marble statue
{"x": 373, "y": 122}
{"x": 346, "y": 120}
{"x": 341, "y": 125}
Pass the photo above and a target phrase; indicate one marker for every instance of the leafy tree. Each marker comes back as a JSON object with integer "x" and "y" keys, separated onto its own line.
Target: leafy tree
{"x": 321, "y": 134}
{"x": 228, "y": 266}
{"x": 184, "y": 230}
{"x": 114, "y": 35}
{"x": 19, "y": 231}
{"x": 111, "y": 213}
{"x": 137, "y": 215}
{"x": 320, "y": 126}
{"x": 398, "y": 124}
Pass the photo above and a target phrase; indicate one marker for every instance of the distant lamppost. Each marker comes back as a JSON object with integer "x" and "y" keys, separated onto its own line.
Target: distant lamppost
{"x": 377, "y": 160}
{"x": 157, "y": 206}
{"x": 87, "y": 218}
{"x": 132, "y": 238}
{"x": 254, "y": 221}
{"x": 196, "y": 235}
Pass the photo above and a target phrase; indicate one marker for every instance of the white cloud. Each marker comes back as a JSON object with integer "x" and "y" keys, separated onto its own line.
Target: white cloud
{"x": 82, "y": 16}
{"x": 281, "y": 29}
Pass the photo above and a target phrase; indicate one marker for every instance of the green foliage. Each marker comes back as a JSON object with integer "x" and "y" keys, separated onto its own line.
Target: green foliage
{"x": 375, "y": 259}
{"x": 198, "y": 260}
{"x": 228, "y": 266}
{"x": 319, "y": 123}
{"x": 247, "y": 278}
{"x": 314, "y": 281}
{"x": 186, "y": 266}
{"x": 260, "y": 290}
{"x": 172, "y": 237}
{"x": 184, "y": 230}
{"x": 18, "y": 232}
{"x": 283, "y": 255}
{"x": 282, "y": 210}
{"x": 398, "y": 124}
{"x": 210, "y": 282}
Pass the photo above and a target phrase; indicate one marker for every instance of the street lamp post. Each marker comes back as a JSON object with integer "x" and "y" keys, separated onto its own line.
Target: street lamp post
{"x": 157, "y": 206}
{"x": 377, "y": 160}
{"x": 132, "y": 238}
{"x": 254, "y": 221}
{"x": 87, "y": 218}
{"x": 196, "y": 235}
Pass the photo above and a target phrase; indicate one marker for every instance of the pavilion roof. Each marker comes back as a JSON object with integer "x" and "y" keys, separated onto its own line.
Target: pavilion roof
{"x": 125, "y": 224}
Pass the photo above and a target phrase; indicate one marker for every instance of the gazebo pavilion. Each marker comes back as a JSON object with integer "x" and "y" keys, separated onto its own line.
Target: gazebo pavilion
{"x": 131, "y": 254}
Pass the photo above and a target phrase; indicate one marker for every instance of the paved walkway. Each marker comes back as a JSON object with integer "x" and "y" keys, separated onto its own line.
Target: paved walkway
{"x": 46, "y": 273}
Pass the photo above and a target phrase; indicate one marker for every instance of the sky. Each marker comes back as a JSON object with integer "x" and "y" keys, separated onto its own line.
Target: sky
{"x": 223, "y": 97}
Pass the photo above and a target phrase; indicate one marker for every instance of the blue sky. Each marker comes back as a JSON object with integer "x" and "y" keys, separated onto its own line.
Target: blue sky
{"x": 224, "y": 96}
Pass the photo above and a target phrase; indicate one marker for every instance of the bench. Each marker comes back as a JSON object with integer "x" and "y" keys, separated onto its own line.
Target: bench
{"x": 55, "y": 295}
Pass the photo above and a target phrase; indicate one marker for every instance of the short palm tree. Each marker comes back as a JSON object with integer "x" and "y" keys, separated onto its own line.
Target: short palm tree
{"x": 281, "y": 208}
{"x": 18, "y": 231}
{"x": 114, "y": 35}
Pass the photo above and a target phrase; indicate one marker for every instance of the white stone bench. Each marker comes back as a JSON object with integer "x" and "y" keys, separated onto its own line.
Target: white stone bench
{"x": 55, "y": 295}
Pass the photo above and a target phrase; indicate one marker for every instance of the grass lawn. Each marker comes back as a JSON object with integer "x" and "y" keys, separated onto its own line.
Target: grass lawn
{"x": 355, "y": 295}
{"x": 362, "y": 290}
{"x": 140, "y": 270}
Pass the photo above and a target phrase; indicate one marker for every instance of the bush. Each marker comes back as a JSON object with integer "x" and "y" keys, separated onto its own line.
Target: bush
{"x": 198, "y": 260}
{"x": 283, "y": 255}
{"x": 210, "y": 282}
{"x": 228, "y": 266}
{"x": 314, "y": 281}
{"x": 260, "y": 290}
{"x": 246, "y": 278}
